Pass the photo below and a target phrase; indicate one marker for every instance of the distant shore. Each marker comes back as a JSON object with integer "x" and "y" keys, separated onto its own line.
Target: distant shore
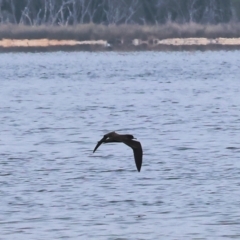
{"x": 136, "y": 44}
{"x": 120, "y": 38}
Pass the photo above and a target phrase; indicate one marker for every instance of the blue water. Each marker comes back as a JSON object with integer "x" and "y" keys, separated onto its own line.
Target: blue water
{"x": 184, "y": 108}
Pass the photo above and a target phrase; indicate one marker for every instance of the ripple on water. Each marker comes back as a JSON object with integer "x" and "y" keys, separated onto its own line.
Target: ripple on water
{"x": 179, "y": 105}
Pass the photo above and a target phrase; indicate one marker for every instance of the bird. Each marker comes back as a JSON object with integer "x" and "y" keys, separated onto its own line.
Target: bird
{"x": 128, "y": 140}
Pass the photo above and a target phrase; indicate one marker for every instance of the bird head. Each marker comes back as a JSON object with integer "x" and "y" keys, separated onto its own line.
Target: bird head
{"x": 130, "y": 136}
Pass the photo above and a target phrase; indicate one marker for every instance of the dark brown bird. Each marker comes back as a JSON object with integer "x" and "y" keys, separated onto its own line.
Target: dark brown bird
{"x": 127, "y": 139}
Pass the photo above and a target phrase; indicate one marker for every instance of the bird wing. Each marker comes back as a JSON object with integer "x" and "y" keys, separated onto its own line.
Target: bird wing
{"x": 137, "y": 151}
{"x": 99, "y": 143}
{"x": 102, "y": 140}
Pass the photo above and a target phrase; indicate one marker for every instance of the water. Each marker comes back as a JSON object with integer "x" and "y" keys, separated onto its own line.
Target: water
{"x": 182, "y": 106}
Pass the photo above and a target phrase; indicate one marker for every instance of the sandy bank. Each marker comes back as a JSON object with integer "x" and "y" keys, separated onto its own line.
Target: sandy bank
{"x": 119, "y": 44}
{"x": 8, "y": 43}
{"x": 190, "y": 41}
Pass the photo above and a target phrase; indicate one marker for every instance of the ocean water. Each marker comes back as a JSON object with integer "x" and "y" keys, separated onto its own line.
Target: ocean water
{"x": 184, "y": 108}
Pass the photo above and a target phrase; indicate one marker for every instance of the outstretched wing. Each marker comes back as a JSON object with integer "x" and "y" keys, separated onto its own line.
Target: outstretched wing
{"x": 102, "y": 140}
{"x": 137, "y": 151}
{"x": 99, "y": 143}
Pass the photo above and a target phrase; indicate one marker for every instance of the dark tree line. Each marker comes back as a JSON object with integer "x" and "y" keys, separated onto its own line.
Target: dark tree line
{"x": 71, "y": 12}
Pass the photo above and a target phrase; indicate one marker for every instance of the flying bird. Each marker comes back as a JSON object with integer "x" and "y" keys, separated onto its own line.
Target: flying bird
{"x": 128, "y": 140}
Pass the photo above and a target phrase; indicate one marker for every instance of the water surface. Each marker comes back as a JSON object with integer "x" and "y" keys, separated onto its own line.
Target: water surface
{"x": 182, "y": 106}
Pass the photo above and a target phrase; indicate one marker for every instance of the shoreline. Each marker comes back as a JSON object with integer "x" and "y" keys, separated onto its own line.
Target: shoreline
{"x": 8, "y": 45}
{"x": 93, "y": 37}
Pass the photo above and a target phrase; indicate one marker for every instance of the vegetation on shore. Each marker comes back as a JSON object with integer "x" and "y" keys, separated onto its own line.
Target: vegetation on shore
{"x": 122, "y": 37}
{"x": 119, "y": 22}
{"x": 150, "y": 12}
{"x": 124, "y": 32}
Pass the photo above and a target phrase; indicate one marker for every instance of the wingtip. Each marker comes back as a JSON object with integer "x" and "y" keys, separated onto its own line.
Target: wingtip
{"x": 139, "y": 168}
